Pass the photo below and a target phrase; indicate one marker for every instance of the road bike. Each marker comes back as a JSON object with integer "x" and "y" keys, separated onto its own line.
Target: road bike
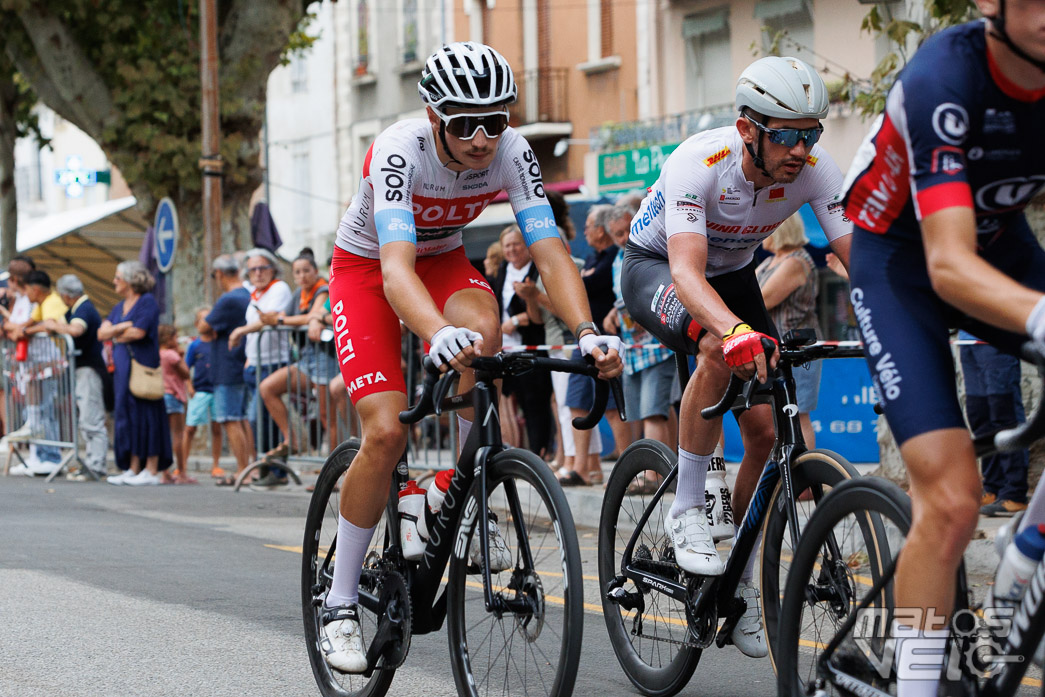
{"x": 517, "y": 631}
{"x": 661, "y": 618}
{"x": 838, "y": 603}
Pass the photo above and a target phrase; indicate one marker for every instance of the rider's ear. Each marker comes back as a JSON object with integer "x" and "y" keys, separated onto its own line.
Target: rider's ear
{"x": 747, "y": 130}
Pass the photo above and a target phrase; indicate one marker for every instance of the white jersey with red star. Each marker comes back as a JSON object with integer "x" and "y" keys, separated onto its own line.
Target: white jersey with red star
{"x": 702, "y": 190}
{"x": 406, "y": 193}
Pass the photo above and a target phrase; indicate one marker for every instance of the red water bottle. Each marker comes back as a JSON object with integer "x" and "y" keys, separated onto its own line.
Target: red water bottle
{"x": 22, "y": 350}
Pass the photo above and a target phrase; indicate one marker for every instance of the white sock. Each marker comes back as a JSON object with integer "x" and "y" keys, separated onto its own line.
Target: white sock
{"x": 919, "y": 658}
{"x": 352, "y": 543}
{"x": 464, "y": 427}
{"x": 693, "y": 474}
{"x": 749, "y": 568}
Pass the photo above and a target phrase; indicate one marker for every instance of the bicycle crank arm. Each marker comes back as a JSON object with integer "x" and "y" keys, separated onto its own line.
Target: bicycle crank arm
{"x": 641, "y": 579}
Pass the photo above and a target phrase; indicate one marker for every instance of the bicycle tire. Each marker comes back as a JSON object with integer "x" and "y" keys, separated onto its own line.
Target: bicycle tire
{"x": 554, "y": 589}
{"x": 644, "y": 662}
{"x": 813, "y": 470}
{"x": 881, "y": 516}
{"x": 320, "y": 533}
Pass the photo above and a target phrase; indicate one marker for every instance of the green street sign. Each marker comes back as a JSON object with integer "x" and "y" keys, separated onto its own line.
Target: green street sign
{"x": 632, "y": 169}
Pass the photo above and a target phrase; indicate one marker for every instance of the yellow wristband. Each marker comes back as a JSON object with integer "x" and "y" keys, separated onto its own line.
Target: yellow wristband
{"x": 739, "y": 329}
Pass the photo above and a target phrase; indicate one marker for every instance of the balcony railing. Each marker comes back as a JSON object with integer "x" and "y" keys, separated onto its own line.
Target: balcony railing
{"x": 673, "y": 128}
{"x": 542, "y": 97}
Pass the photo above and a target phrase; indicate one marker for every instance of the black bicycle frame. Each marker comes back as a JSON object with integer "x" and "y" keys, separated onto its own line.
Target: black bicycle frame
{"x": 446, "y": 536}
{"x": 790, "y": 445}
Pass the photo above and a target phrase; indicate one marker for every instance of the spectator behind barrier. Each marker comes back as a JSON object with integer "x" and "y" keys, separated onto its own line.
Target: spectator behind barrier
{"x": 597, "y": 275}
{"x": 81, "y": 323}
{"x": 317, "y": 365}
{"x": 226, "y": 360}
{"x": 200, "y": 411}
{"x": 175, "y": 397}
{"x": 789, "y": 287}
{"x": 515, "y": 290}
{"x": 141, "y": 435}
{"x": 266, "y": 352}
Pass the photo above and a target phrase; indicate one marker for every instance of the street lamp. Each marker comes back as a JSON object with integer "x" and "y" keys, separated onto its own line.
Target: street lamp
{"x": 564, "y": 143}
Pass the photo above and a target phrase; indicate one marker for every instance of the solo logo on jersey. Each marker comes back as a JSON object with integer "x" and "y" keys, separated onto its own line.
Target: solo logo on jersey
{"x": 395, "y": 177}
{"x": 530, "y": 174}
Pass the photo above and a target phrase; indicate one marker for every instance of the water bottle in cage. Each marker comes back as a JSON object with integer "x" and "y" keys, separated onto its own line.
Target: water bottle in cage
{"x": 718, "y": 500}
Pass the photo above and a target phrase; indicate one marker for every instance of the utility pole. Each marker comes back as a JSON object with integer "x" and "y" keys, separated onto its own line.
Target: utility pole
{"x": 210, "y": 162}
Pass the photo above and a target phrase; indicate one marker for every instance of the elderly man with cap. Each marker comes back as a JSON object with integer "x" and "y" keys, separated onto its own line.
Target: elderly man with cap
{"x": 81, "y": 323}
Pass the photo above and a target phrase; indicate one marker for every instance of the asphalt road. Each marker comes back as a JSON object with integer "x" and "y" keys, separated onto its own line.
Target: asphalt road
{"x": 176, "y": 591}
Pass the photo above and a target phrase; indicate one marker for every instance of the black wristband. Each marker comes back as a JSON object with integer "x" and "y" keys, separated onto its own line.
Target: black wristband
{"x": 585, "y": 325}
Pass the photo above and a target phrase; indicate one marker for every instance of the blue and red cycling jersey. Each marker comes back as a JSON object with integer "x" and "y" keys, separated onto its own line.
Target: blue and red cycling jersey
{"x": 955, "y": 132}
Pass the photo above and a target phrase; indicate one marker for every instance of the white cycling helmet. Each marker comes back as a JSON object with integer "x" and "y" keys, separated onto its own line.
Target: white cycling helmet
{"x": 466, "y": 74}
{"x": 785, "y": 88}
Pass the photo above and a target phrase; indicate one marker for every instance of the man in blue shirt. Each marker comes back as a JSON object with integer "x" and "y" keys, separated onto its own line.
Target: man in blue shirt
{"x": 230, "y": 392}
{"x": 82, "y": 322}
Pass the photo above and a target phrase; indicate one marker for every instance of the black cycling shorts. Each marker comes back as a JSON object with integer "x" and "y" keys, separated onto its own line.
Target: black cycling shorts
{"x": 905, "y": 325}
{"x": 650, "y": 296}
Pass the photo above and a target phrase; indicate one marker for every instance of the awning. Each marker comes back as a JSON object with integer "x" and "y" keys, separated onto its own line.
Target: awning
{"x": 88, "y": 242}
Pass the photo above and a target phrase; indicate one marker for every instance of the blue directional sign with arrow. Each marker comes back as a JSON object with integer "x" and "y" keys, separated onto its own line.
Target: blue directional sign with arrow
{"x": 166, "y": 227}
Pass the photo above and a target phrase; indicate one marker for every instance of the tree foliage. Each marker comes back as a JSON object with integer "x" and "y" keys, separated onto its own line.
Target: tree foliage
{"x": 905, "y": 34}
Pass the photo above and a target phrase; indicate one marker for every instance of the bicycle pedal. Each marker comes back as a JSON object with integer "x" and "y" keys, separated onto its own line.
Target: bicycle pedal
{"x": 626, "y": 600}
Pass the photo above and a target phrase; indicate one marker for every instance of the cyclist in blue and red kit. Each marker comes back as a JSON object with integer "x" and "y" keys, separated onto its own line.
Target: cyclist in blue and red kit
{"x": 399, "y": 256}
{"x": 937, "y": 194}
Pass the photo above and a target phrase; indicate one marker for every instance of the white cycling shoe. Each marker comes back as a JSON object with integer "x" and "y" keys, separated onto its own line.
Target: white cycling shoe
{"x": 748, "y": 635}
{"x": 500, "y": 557}
{"x": 695, "y": 551}
{"x": 342, "y": 642}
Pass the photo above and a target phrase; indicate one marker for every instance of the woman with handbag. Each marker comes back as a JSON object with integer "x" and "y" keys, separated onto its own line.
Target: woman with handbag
{"x": 141, "y": 434}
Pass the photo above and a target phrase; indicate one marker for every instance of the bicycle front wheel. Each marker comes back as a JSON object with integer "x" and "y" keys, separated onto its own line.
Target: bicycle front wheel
{"x": 651, "y": 643}
{"x": 317, "y": 572}
{"x": 814, "y": 473}
{"x": 848, "y": 545}
{"x": 530, "y": 643}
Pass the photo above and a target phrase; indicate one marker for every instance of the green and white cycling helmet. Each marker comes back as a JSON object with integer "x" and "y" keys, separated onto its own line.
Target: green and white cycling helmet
{"x": 466, "y": 74}
{"x": 785, "y": 88}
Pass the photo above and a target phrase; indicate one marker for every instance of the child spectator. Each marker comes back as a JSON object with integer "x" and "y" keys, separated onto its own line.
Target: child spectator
{"x": 201, "y": 404}
{"x": 175, "y": 395}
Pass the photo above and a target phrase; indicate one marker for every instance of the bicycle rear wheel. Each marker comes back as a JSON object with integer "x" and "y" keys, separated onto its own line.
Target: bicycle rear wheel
{"x": 531, "y": 645}
{"x": 814, "y": 473}
{"x": 850, "y": 541}
{"x": 317, "y": 569}
{"x": 654, "y": 658}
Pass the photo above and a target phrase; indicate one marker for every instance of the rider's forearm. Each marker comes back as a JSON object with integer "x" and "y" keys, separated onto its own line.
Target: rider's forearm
{"x": 412, "y": 302}
{"x": 563, "y": 283}
{"x": 962, "y": 278}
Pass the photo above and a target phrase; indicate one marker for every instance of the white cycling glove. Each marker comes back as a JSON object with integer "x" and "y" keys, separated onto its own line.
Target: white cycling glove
{"x": 450, "y": 341}
{"x": 1036, "y": 322}
{"x": 605, "y": 342}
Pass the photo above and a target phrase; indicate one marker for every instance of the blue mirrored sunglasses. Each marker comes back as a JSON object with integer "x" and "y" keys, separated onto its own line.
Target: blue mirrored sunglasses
{"x": 789, "y": 137}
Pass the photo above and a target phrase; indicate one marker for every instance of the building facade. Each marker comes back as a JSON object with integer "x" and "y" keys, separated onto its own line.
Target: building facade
{"x": 301, "y": 155}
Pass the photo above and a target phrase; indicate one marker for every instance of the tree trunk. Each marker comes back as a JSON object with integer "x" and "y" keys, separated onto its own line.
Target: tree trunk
{"x": 190, "y": 275}
{"x": 8, "y": 194}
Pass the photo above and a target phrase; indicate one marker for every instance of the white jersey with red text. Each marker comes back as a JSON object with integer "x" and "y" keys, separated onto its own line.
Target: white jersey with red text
{"x": 406, "y": 193}
{"x": 702, "y": 189}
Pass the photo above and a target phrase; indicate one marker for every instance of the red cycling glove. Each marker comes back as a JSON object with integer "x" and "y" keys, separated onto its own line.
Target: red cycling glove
{"x": 742, "y": 344}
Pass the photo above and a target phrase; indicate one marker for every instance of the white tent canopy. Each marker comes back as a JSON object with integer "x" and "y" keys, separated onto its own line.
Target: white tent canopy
{"x": 88, "y": 242}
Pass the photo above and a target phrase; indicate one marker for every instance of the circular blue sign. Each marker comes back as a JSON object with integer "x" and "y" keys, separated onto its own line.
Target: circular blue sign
{"x": 166, "y": 232}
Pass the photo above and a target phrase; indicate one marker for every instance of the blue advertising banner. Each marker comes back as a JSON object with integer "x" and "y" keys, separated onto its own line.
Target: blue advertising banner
{"x": 844, "y": 420}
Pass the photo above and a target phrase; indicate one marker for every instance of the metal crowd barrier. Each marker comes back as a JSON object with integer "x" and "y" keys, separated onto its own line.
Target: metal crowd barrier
{"x": 317, "y": 418}
{"x": 40, "y": 400}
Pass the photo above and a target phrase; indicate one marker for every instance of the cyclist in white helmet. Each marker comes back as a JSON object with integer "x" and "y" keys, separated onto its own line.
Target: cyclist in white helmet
{"x": 689, "y": 278}
{"x": 398, "y": 256}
